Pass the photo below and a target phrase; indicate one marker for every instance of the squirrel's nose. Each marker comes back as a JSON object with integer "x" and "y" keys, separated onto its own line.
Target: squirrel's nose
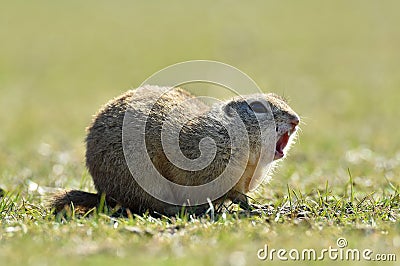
{"x": 294, "y": 122}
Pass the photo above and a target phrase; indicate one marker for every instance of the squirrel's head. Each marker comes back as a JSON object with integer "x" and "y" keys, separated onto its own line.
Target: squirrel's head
{"x": 270, "y": 125}
{"x": 268, "y": 114}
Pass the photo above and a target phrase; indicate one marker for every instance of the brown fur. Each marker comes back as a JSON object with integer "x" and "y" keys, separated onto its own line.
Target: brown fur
{"x": 106, "y": 162}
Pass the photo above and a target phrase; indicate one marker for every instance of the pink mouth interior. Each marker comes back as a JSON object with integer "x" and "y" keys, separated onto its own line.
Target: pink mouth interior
{"x": 280, "y": 145}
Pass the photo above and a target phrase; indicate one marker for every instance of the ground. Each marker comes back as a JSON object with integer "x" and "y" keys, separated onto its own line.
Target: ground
{"x": 337, "y": 62}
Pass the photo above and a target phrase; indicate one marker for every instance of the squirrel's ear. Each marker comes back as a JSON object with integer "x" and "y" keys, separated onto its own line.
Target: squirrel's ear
{"x": 258, "y": 107}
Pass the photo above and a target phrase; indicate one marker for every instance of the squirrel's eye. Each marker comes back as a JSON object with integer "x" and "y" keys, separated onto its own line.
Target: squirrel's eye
{"x": 258, "y": 107}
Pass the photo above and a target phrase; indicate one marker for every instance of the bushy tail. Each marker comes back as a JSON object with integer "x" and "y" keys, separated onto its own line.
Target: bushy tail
{"x": 84, "y": 201}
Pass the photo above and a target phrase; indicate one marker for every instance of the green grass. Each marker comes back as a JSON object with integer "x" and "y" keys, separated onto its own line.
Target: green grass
{"x": 338, "y": 62}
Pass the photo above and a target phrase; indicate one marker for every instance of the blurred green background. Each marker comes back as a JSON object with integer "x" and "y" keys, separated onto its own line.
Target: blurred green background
{"x": 338, "y": 62}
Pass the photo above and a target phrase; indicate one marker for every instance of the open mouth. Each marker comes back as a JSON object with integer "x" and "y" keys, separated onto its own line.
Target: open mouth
{"x": 284, "y": 139}
{"x": 280, "y": 145}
